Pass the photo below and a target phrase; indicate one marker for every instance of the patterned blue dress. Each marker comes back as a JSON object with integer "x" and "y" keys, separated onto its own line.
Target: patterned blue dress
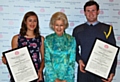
{"x": 33, "y": 46}
{"x": 59, "y": 57}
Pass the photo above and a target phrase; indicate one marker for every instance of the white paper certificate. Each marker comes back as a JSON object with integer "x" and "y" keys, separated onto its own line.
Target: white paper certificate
{"x": 101, "y": 58}
{"x": 21, "y": 65}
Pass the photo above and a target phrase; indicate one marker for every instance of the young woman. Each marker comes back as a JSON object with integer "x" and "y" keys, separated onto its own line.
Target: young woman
{"x": 30, "y": 36}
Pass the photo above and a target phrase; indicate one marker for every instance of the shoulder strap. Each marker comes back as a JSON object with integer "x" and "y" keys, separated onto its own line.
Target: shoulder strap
{"x": 106, "y": 29}
{"x": 107, "y": 34}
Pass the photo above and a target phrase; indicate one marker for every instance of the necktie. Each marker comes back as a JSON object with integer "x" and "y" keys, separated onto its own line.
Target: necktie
{"x": 91, "y": 25}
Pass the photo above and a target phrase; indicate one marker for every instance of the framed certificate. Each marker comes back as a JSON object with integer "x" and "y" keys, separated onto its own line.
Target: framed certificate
{"x": 20, "y": 65}
{"x": 101, "y": 58}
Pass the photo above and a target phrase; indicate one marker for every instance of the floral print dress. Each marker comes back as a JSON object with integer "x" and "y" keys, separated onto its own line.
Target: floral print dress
{"x": 59, "y": 57}
{"x": 33, "y": 46}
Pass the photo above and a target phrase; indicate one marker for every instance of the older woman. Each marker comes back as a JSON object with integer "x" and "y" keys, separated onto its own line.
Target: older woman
{"x": 59, "y": 51}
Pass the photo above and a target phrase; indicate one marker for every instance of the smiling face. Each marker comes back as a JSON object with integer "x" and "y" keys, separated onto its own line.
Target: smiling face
{"x": 91, "y": 13}
{"x": 31, "y": 23}
{"x": 59, "y": 27}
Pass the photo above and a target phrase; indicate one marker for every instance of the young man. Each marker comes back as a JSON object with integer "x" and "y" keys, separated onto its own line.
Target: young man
{"x": 85, "y": 35}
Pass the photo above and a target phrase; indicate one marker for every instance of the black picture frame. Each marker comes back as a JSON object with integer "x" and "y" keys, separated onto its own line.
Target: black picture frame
{"x": 93, "y": 51}
{"x": 17, "y": 53}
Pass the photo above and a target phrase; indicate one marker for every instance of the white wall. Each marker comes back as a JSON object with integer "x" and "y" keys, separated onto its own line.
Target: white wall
{"x": 12, "y": 11}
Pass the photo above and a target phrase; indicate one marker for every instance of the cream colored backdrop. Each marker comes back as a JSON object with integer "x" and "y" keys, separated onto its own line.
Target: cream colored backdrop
{"x": 12, "y": 11}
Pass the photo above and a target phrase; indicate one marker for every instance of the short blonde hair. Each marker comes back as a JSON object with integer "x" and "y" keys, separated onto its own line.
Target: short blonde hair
{"x": 58, "y": 16}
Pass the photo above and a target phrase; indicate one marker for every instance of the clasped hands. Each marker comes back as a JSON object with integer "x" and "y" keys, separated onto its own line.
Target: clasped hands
{"x": 58, "y": 80}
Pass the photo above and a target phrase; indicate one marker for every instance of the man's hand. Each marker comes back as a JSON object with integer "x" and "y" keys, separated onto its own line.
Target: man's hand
{"x": 109, "y": 79}
{"x": 82, "y": 66}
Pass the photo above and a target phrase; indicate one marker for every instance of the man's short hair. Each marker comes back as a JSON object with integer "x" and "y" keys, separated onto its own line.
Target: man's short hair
{"x": 90, "y": 3}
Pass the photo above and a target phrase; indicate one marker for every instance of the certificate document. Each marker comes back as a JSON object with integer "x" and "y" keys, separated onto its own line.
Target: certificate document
{"x": 101, "y": 58}
{"x": 20, "y": 65}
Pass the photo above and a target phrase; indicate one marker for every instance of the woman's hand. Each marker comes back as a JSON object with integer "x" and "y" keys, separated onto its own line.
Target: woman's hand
{"x": 40, "y": 76}
{"x": 64, "y": 81}
{"x": 4, "y": 60}
{"x": 58, "y": 80}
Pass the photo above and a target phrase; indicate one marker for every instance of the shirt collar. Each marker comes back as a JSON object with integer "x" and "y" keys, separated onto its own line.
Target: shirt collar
{"x": 93, "y": 23}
